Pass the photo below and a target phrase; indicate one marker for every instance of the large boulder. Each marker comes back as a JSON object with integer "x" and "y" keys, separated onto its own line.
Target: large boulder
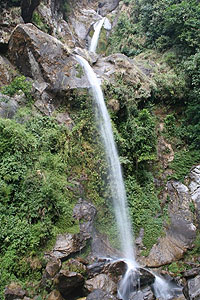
{"x": 102, "y": 282}
{"x": 180, "y": 232}
{"x": 48, "y": 61}
{"x": 68, "y": 282}
{"x": 67, "y": 244}
{"x": 45, "y": 59}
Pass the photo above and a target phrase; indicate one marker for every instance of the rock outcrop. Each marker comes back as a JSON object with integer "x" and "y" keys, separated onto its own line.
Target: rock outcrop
{"x": 66, "y": 244}
{"x": 10, "y": 17}
{"x": 102, "y": 282}
{"x": 180, "y": 231}
{"x": 192, "y": 289}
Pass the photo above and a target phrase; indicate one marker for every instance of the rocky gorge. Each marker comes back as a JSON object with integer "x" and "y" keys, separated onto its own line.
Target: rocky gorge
{"x": 38, "y": 41}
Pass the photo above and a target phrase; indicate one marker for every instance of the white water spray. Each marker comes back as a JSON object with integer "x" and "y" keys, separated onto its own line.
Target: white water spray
{"x": 115, "y": 173}
{"x": 95, "y": 38}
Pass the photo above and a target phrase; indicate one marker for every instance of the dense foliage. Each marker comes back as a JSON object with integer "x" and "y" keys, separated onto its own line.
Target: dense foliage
{"x": 171, "y": 28}
{"x": 34, "y": 194}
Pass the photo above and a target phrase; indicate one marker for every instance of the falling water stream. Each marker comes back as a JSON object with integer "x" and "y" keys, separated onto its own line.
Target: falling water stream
{"x": 161, "y": 288}
{"x": 115, "y": 173}
{"x": 97, "y": 29}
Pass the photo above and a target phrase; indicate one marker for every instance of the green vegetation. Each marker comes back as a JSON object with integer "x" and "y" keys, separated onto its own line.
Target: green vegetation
{"x": 182, "y": 163}
{"x": 34, "y": 192}
{"x": 145, "y": 209}
{"x": 37, "y": 20}
{"x": 20, "y": 83}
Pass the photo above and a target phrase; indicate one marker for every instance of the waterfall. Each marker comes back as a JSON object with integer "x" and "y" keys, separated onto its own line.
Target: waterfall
{"x": 95, "y": 38}
{"x": 115, "y": 173}
{"x": 162, "y": 289}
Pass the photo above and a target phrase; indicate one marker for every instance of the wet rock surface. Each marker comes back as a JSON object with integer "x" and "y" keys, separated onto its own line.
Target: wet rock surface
{"x": 100, "y": 295}
{"x": 143, "y": 294}
{"x": 192, "y": 289}
{"x": 102, "y": 282}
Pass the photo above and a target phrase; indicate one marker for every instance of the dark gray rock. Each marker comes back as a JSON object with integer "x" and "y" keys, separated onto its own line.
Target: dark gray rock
{"x": 85, "y": 213}
{"x": 143, "y": 294}
{"x": 194, "y": 187}
{"x": 192, "y": 273}
{"x": 68, "y": 282}
{"x": 100, "y": 295}
{"x": 192, "y": 289}
{"x": 8, "y": 106}
{"x": 28, "y": 8}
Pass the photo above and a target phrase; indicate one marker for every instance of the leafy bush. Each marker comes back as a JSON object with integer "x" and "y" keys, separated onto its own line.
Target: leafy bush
{"x": 37, "y": 20}
{"x": 182, "y": 163}
{"x": 20, "y": 83}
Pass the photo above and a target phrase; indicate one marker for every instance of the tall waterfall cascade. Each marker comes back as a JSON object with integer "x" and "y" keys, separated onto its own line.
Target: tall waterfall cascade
{"x": 162, "y": 289}
{"x": 116, "y": 179}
